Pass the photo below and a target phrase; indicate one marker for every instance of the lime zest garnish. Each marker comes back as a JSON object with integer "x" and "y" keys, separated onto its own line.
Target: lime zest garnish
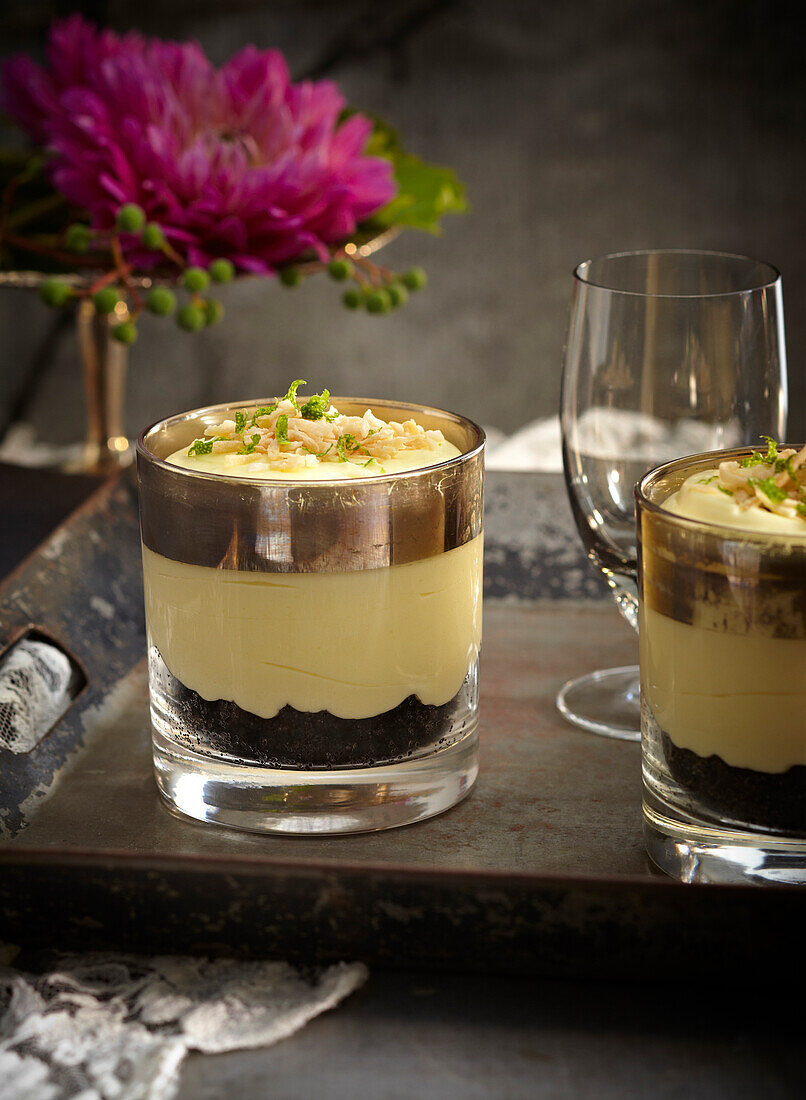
{"x": 344, "y": 443}
{"x": 758, "y": 459}
{"x": 772, "y": 450}
{"x": 200, "y": 447}
{"x": 204, "y": 446}
{"x": 248, "y": 449}
{"x": 755, "y": 459}
{"x": 727, "y": 492}
{"x": 768, "y": 487}
{"x": 281, "y": 429}
{"x": 292, "y": 391}
{"x": 262, "y": 410}
{"x": 319, "y": 454}
{"x": 240, "y": 421}
{"x": 315, "y": 408}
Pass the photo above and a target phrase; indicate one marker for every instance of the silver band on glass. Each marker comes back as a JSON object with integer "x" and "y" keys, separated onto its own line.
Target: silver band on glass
{"x": 309, "y": 526}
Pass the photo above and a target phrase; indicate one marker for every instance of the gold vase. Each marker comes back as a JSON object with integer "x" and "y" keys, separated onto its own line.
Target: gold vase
{"x": 104, "y": 362}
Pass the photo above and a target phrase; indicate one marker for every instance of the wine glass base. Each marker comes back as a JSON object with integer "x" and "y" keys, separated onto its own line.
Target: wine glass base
{"x": 606, "y": 702}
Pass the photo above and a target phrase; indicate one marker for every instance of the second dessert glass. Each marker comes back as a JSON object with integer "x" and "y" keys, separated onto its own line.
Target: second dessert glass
{"x": 313, "y": 645}
{"x": 723, "y": 691}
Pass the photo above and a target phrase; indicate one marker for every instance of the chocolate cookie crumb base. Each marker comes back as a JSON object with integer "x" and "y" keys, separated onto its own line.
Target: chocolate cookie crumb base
{"x": 769, "y": 800}
{"x": 302, "y": 739}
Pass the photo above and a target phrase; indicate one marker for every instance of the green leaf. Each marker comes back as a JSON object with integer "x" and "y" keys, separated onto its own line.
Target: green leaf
{"x": 426, "y": 192}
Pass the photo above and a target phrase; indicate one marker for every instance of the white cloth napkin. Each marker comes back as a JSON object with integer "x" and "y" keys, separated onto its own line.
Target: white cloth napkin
{"x": 605, "y": 433}
{"x": 535, "y": 446}
{"x": 37, "y": 685}
{"x": 117, "y": 1027}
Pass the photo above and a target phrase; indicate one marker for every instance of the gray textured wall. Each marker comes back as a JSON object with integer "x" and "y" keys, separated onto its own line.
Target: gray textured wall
{"x": 578, "y": 128}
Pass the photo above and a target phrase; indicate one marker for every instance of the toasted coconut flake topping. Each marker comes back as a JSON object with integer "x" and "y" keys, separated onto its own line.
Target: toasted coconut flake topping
{"x": 293, "y": 432}
{"x": 775, "y": 481}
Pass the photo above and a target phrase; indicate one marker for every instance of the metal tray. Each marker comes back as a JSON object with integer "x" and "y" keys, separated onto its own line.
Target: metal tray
{"x": 541, "y": 870}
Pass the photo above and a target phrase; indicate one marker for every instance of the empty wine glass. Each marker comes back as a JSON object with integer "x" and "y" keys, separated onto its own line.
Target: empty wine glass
{"x": 669, "y": 353}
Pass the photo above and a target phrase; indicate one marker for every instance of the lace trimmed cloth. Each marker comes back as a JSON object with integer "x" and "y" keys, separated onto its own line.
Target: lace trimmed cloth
{"x": 37, "y": 683}
{"x": 117, "y": 1027}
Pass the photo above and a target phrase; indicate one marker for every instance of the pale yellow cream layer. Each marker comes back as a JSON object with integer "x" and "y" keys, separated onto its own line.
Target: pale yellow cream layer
{"x": 699, "y": 498}
{"x": 355, "y": 644}
{"x": 255, "y": 465}
{"x": 741, "y": 697}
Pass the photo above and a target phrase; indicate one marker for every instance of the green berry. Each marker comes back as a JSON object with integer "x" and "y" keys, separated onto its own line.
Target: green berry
{"x": 78, "y": 237}
{"x": 190, "y": 317}
{"x": 397, "y": 294}
{"x": 340, "y": 270}
{"x": 290, "y": 276}
{"x": 55, "y": 292}
{"x": 378, "y": 301}
{"x": 153, "y": 237}
{"x": 222, "y": 270}
{"x": 131, "y": 218}
{"x": 414, "y": 279}
{"x": 125, "y": 332}
{"x": 213, "y": 311}
{"x": 195, "y": 279}
{"x": 352, "y": 298}
{"x": 161, "y": 301}
{"x": 105, "y": 299}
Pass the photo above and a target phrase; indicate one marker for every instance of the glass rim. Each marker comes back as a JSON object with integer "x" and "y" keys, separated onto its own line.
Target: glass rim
{"x": 643, "y": 501}
{"x": 145, "y": 452}
{"x": 773, "y": 280}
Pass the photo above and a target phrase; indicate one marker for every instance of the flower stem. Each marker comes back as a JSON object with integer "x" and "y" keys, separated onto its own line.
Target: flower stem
{"x": 25, "y": 244}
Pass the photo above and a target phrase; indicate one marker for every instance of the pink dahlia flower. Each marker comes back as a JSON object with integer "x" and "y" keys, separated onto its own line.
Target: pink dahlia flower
{"x": 236, "y": 162}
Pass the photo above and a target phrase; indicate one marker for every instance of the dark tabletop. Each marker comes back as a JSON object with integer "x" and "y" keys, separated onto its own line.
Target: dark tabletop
{"x": 450, "y": 1035}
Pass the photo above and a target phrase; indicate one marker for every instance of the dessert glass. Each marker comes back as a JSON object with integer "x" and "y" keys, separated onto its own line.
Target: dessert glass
{"x": 723, "y": 691}
{"x": 313, "y": 645}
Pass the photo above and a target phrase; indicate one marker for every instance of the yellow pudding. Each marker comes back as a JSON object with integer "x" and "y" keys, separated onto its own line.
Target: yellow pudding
{"x": 738, "y": 695}
{"x": 355, "y": 644}
{"x": 255, "y": 465}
